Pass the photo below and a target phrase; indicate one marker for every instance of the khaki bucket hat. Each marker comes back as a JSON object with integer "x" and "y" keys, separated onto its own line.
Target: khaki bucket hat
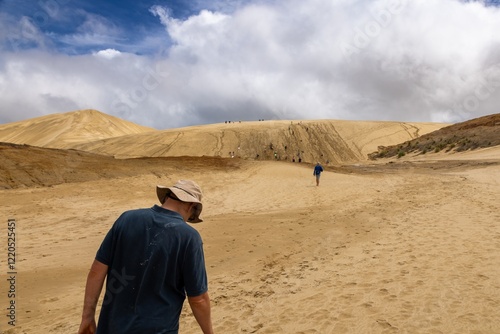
{"x": 186, "y": 191}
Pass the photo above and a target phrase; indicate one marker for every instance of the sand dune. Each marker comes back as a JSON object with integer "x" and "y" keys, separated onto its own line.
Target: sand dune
{"x": 67, "y": 129}
{"x": 326, "y": 140}
{"x": 30, "y": 166}
{"x": 481, "y": 132}
{"x": 408, "y": 245}
{"x": 331, "y": 141}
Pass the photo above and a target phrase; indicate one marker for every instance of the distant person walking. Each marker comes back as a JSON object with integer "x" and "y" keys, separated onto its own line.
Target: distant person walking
{"x": 317, "y": 172}
{"x": 151, "y": 260}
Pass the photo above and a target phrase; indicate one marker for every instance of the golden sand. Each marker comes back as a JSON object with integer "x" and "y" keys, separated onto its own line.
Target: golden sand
{"x": 411, "y": 246}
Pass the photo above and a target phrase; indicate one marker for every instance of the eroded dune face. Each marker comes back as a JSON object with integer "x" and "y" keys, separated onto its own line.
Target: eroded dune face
{"x": 328, "y": 141}
{"x": 87, "y": 142}
{"x": 325, "y": 141}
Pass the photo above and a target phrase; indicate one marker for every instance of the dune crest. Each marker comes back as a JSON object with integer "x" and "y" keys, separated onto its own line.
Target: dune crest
{"x": 478, "y": 133}
{"x": 328, "y": 141}
{"x": 67, "y": 129}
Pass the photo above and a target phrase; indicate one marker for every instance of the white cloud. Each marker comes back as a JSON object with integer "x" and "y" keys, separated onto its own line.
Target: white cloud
{"x": 386, "y": 59}
{"x": 163, "y": 13}
{"x": 108, "y": 53}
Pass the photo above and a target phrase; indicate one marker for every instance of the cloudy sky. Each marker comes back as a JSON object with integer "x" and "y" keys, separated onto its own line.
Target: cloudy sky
{"x": 167, "y": 64}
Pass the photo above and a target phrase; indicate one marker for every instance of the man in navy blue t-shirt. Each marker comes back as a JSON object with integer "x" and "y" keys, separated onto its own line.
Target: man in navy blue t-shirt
{"x": 317, "y": 172}
{"x": 152, "y": 260}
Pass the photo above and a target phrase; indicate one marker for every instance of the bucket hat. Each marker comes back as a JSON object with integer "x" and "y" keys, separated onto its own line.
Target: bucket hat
{"x": 186, "y": 191}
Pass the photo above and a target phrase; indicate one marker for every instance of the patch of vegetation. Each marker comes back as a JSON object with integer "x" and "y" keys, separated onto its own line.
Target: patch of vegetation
{"x": 477, "y": 133}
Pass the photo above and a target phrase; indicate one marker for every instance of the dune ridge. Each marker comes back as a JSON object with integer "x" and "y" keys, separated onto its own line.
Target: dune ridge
{"x": 481, "y": 132}
{"x": 64, "y": 130}
{"x": 328, "y": 141}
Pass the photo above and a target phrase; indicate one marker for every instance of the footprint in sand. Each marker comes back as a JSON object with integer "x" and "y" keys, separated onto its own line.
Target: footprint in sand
{"x": 51, "y": 300}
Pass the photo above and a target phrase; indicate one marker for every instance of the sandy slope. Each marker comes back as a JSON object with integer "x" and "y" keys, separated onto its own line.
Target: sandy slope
{"x": 398, "y": 248}
{"x": 408, "y": 245}
{"x": 328, "y": 141}
{"x": 67, "y": 129}
{"x": 30, "y": 166}
{"x": 324, "y": 140}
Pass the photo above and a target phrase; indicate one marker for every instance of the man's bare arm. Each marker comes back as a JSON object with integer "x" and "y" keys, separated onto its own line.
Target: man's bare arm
{"x": 95, "y": 281}
{"x": 200, "y": 305}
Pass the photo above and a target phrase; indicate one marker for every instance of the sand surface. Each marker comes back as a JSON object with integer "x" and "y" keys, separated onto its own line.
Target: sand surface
{"x": 329, "y": 141}
{"x": 406, "y": 247}
{"x": 64, "y": 130}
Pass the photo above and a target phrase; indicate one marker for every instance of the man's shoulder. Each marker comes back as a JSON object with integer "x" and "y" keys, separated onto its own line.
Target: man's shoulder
{"x": 136, "y": 212}
{"x": 188, "y": 229}
{"x": 133, "y": 215}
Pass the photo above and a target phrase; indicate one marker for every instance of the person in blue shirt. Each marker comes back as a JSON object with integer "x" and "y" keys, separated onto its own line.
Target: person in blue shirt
{"x": 317, "y": 172}
{"x": 151, "y": 260}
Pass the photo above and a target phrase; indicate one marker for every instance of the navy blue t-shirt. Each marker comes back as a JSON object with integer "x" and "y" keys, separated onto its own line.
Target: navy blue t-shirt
{"x": 154, "y": 260}
{"x": 317, "y": 170}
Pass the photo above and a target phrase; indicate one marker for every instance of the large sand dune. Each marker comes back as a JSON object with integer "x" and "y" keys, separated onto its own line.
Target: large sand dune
{"x": 331, "y": 141}
{"x": 67, "y": 129}
{"x": 327, "y": 140}
{"x": 408, "y": 245}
